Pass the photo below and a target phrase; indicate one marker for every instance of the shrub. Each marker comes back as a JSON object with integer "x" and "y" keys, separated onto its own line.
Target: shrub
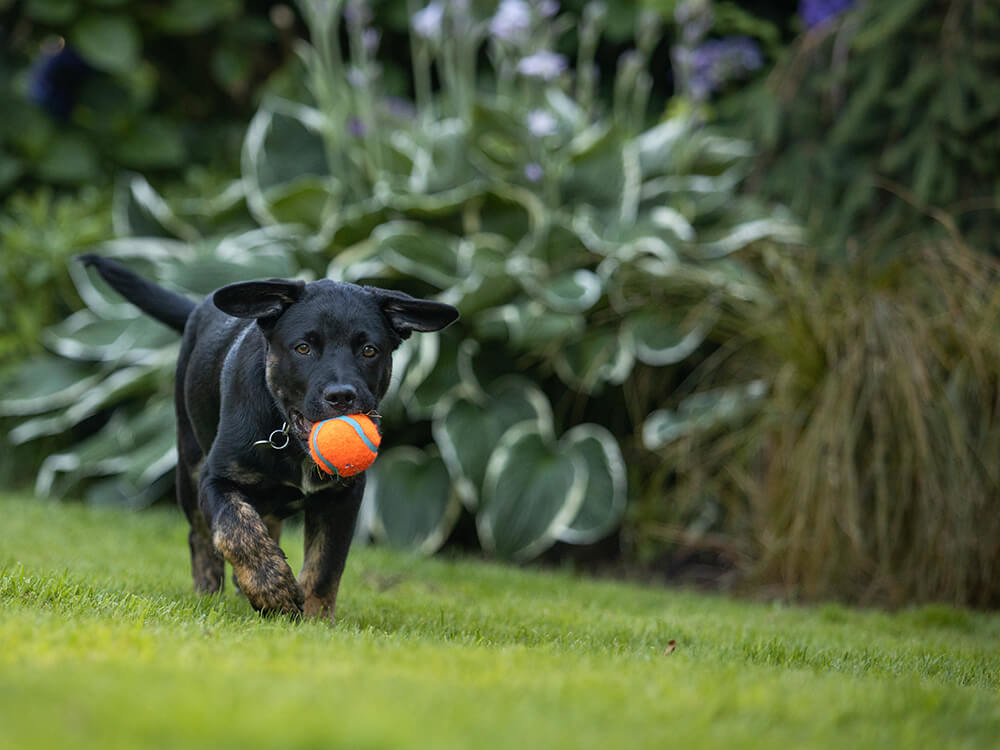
{"x": 38, "y": 233}
{"x": 879, "y": 125}
{"x": 589, "y": 254}
{"x": 88, "y": 87}
{"x": 865, "y": 467}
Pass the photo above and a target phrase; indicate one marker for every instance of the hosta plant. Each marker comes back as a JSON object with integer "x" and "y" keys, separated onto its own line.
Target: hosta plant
{"x": 581, "y": 244}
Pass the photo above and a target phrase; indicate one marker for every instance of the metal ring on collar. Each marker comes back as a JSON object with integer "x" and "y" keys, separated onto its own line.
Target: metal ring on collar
{"x": 275, "y": 441}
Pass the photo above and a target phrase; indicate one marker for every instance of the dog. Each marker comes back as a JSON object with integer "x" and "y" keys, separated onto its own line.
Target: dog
{"x": 261, "y": 362}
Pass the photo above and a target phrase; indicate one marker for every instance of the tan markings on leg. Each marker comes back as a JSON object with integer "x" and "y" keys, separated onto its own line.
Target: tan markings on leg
{"x": 325, "y": 607}
{"x": 273, "y": 528}
{"x": 316, "y": 605}
{"x": 259, "y": 565}
{"x": 207, "y": 565}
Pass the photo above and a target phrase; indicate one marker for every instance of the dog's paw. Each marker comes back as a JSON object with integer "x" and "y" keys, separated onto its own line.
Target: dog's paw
{"x": 316, "y": 608}
{"x": 271, "y": 588}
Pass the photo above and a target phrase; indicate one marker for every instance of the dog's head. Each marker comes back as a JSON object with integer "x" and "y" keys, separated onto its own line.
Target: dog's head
{"x": 330, "y": 344}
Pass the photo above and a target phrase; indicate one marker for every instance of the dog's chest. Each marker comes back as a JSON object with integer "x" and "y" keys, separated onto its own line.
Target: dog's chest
{"x": 312, "y": 480}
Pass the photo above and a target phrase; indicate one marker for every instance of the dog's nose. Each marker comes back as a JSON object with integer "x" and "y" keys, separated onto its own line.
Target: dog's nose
{"x": 341, "y": 396}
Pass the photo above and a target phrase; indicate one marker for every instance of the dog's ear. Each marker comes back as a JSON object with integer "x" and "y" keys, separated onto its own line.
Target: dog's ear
{"x": 408, "y": 314}
{"x": 262, "y": 300}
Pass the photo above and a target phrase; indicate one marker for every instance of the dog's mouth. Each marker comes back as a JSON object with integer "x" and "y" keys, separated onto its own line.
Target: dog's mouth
{"x": 299, "y": 424}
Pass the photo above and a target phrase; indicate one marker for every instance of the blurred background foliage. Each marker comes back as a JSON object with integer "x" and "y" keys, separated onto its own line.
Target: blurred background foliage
{"x": 713, "y": 259}
{"x": 881, "y": 128}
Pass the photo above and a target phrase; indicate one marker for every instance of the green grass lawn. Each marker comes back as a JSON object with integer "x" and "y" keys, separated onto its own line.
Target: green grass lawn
{"x": 104, "y": 645}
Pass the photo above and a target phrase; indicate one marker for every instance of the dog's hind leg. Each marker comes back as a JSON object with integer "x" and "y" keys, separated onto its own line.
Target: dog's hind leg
{"x": 207, "y": 565}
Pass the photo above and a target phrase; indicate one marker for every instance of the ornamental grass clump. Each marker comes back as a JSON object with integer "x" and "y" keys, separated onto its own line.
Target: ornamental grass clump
{"x": 869, "y": 471}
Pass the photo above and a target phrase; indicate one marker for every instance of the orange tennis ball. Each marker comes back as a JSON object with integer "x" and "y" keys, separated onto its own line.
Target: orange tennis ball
{"x": 344, "y": 446}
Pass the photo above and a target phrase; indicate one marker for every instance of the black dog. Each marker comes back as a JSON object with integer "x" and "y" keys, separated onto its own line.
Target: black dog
{"x": 260, "y": 362}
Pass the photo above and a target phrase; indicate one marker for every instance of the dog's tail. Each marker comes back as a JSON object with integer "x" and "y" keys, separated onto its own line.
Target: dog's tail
{"x": 167, "y": 307}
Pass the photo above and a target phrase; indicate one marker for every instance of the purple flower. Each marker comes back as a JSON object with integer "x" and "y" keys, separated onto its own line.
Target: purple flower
{"x": 542, "y": 64}
{"x": 356, "y": 127}
{"x": 512, "y": 21}
{"x": 55, "y": 79}
{"x": 695, "y": 18}
{"x": 357, "y": 14}
{"x": 817, "y": 12}
{"x": 427, "y": 22}
{"x": 370, "y": 38}
{"x": 541, "y": 123}
{"x": 361, "y": 78}
{"x": 547, "y": 8}
{"x": 533, "y": 172}
{"x": 401, "y": 108}
{"x": 713, "y": 63}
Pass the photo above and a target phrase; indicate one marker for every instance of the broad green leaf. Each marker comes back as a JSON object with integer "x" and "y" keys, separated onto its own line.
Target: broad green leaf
{"x": 571, "y": 292}
{"x": 448, "y": 166}
{"x": 694, "y": 194}
{"x": 84, "y": 336}
{"x": 53, "y": 12}
{"x": 479, "y": 291}
{"x": 113, "y": 388}
{"x": 664, "y": 338}
{"x": 277, "y": 241}
{"x": 656, "y": 234}
{"x": 738, "y": 237}
{"x": 138, "y": 210}
{"x": 69, "y": 158}
{"x": 139, "y": 445}
{"x": 597, "y": 175}
{"x": 206, "y": 274}
{"x": 187, "y": 17}
{"x": 141, "y": 254}
{"x": 531, "y": 492}
{"x": 415, "y": 507}
{"x": 570, "y": 114}
{"x": 412, "y": 362}
{"x": 108, "y": 41}
{"x": 657, "y": 144}
{"x": 436, "y": 205}
{"x": 437, "y": 366}
{"x": 673, "y": 221}
{"x": 597, "y": 357}
{"x": 43, "y": 383}
{"x": 530, "y": 325}
{"x": 701, "y": 413}
{"x": 308, "y": 200}
{"x": 607, "y": 485}
{"x": 11, "y": 169}
{"x": 467, "y": 427}
{"x": 154, "y": 143}
{"x": 414, "y": 250}
{"x": 283, "y": 142}
{"x": 501, "y": 138}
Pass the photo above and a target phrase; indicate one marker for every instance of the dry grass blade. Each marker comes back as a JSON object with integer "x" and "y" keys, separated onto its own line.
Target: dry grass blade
{"x": 871, "y": 472}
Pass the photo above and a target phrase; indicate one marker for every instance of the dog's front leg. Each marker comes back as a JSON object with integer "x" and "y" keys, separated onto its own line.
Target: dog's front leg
{"x": 241, "y": 536}
{"x": 329, "y": 528}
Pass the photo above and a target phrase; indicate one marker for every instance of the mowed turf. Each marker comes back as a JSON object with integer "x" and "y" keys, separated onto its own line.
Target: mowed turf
{"x": 104, "y": 645}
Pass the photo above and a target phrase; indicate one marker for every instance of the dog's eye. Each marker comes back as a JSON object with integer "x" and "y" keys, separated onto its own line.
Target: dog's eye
{"x": 303, "y": 348}
{"x": 368, "y": 351}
